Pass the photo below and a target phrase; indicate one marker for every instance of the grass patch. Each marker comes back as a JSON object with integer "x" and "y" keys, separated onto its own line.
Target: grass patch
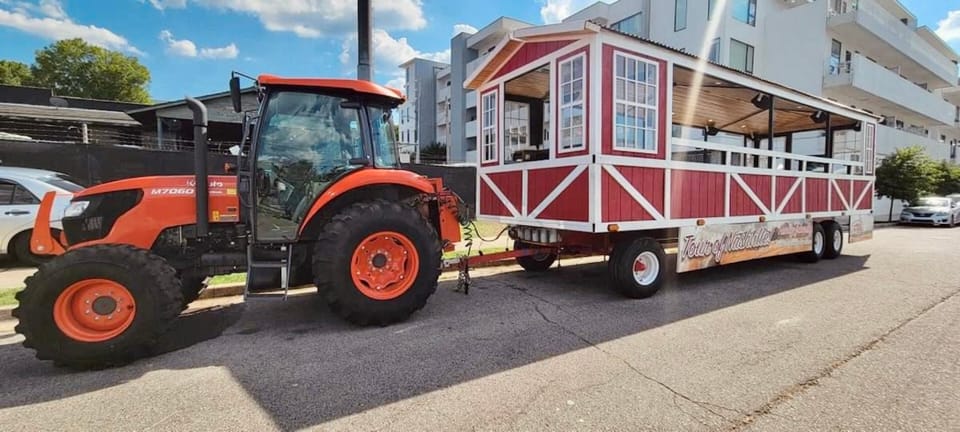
{"x": 229, "y": 279}
{"x": 7, "y": 296}
{"x": 486, "y": 229}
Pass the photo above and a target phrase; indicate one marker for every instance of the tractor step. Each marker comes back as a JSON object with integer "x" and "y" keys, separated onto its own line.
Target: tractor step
{"x": 282, "y": 264}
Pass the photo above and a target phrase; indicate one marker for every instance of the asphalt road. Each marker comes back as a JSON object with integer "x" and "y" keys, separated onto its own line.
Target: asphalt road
{"x": 870, "y": 341}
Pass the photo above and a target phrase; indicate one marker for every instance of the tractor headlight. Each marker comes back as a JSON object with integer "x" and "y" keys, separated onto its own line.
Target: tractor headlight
{"x": 75, "y": 209}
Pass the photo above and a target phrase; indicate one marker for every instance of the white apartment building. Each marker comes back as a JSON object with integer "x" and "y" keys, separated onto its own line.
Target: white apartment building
{"x": 419, "y": 116}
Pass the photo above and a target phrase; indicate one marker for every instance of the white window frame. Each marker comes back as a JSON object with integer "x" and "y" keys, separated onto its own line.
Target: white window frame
{"x": 486, "y": 109}
{"x": 582, "y": 102}
{"x": 869, "y": 149}
{"x": 655, "y": 107}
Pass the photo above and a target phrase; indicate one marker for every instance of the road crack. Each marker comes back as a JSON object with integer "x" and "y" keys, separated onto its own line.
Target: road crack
{"x": 706, "y": 406}
{"x": 801, "y": 387}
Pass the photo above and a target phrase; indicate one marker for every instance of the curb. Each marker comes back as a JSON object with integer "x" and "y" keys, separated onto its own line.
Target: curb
{"x": 6, "y": 313}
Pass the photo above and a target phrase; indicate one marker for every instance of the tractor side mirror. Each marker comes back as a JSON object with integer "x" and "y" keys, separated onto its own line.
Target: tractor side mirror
{"x": 235, "y": 94}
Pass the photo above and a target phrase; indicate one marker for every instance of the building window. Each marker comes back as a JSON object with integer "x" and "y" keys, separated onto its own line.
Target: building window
{"x": 836, "y": 50}
{"x": 741, "y": 56}
{"x": 489, "y": 127}
{"x": 745, "y": 11}
{"x": 635, "y": 104}
{"x": 680, "y": 15}
{"x": 715, "y": 51}
{"x": 631, "y": 25}
{"x": 572, "y": 90}
{"x": 710, "y": 5}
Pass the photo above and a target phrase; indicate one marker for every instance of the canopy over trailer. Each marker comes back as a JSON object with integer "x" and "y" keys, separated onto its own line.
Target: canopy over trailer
{"x": 590, "y": 138}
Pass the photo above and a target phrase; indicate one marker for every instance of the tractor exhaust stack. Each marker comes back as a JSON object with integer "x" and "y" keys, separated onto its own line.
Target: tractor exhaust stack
{"x": 202, "y": 185}
{"x": 364, "y": 34}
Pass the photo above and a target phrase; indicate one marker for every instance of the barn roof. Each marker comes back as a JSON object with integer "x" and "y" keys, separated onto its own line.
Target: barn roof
{"x": 78, "y": 115}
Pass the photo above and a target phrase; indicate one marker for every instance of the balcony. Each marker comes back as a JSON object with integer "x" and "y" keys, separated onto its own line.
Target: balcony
{"x": 868, "y": 85}
{"x": 470, "y": 129}
{"x": 470, "y": 99}
{"x": 443, "y": 93}
{"x": 891, "y": 42}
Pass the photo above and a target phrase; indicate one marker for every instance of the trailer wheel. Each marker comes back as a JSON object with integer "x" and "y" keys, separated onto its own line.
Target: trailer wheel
{"x": 833, "y": 240}
{"x": 377, "y": 262}
{"x": 534, "y": 263}
{"x": 98, "y": 306}
{"x": 818, "y": 245}
{"x": 637, "y": 267}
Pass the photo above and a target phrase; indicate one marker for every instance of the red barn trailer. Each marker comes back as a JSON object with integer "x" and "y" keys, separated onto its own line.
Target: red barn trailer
{"x": 596, "y": 141}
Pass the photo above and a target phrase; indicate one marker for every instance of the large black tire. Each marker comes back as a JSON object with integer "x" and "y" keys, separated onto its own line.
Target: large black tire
{"x": 534, "y": 263}
{"x": 341, "y": 238}
{"x": 21, "y": 250}
{"x": 151, "y": 281}
{"x": 833, "y": 240}
{"x": 817, "y": 247}
{"x": 625, "y": 257}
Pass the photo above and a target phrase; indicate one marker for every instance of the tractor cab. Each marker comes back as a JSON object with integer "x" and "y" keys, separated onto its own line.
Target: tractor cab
{"x": 305, "y": 136}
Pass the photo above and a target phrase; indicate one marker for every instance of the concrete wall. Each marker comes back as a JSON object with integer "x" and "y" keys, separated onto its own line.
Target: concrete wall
{"x": 460, "y": 55}
{"x": 800, "y": 28}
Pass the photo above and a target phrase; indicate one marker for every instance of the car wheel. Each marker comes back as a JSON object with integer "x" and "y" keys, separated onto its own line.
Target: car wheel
{"x": 21, "y": 249}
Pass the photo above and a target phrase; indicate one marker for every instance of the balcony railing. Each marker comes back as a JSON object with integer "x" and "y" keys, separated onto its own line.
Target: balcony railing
{"x": 885, "y": 84}
{"x": 877, "y": 20}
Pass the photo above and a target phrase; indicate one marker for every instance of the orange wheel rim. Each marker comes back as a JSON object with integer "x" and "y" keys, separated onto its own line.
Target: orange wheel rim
{"x": 384, "y": 265}
{"x": 94, "y": 310}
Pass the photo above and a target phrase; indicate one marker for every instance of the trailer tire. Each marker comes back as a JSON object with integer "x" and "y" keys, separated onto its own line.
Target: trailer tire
{"x": 534, "y": 263}
{"x": 50, "y": 307}
{"x": 817, "y": 247}
{"x": 833, "y": 240}
{"x": 637, "y": 267}
{"x": 377, "y": 262}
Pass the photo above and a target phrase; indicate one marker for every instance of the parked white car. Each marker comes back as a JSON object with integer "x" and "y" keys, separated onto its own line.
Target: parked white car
{"x": 21, "y": 190}
{"x": 932, "y": 211}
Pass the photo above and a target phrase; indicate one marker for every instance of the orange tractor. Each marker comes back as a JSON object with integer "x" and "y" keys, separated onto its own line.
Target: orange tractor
{"x": 318, "y": 198}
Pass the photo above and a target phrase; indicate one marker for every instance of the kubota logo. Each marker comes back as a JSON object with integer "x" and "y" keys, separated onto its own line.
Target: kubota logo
{"x": 213, "y": 183}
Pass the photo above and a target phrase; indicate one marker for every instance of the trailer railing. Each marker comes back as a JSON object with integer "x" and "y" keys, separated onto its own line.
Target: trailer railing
{"x": 792, "y": 162}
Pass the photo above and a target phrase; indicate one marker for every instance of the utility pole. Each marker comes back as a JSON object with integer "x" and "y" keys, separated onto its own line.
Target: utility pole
{"x": 364, "y": 34}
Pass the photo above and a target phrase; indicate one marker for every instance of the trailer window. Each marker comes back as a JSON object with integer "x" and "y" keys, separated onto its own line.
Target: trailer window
{"x": 526, "y": 117}
{"x": 572, "y": 90}
{"x": 489, "y": 127}
{"x": 635, "y": 104}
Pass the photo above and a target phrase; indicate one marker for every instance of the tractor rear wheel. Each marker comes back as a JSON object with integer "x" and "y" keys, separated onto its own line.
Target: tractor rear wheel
{"x": 98, "y": 306}
{"x": 377, "y": 262}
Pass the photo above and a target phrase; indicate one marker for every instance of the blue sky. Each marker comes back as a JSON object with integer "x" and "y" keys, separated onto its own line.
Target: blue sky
{"x": 190, "y": 46}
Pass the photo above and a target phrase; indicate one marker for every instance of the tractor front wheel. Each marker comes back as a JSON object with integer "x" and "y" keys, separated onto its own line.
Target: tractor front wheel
{"x": 98, "y": 306}
{"x": 377, "y": 262}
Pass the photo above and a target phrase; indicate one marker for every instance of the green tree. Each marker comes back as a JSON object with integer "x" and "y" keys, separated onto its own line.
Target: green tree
{"x": 946, "y": 178}
{"x": 73, "y": 67}
{"x": 14, "y": 73}
{"x": 905, "y": 175}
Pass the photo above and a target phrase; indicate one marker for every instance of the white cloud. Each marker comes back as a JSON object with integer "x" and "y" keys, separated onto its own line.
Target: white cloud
{"x": 463, "y": 28}
{"x": 54, "y": 24}
{"x": 949, "y": 28}
{"x": 227, "y": 52}
{"x": 388, "y": 55}
{"x": 186, "y": 48}
{"x": 316, "y": 18}
{"x": 52, "y": 9}
{"x": 554, "y": 11}
{"x": 168, "y": 4}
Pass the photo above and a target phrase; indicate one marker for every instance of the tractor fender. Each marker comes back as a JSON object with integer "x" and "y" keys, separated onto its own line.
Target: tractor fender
{"x": 364, "y": 178}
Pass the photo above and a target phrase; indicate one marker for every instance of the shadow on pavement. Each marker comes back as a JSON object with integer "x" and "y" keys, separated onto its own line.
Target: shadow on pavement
{"x": 304, "y": 366}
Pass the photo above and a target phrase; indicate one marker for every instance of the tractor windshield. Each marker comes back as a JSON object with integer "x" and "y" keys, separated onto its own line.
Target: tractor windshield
{"x": 306, "y": 141}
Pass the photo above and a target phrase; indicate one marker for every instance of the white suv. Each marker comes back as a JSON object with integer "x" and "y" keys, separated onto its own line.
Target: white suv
{"x": 21, "y": 190}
